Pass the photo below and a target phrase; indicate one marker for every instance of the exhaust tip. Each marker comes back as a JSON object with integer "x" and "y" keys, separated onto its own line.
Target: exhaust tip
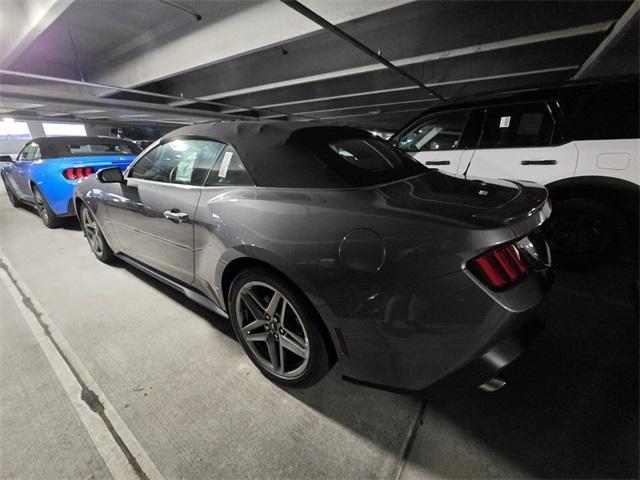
{"x": 492, "y": 385}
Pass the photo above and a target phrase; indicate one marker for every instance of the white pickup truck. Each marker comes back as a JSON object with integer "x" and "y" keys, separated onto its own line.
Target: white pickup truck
{"x": 581, "y": 141}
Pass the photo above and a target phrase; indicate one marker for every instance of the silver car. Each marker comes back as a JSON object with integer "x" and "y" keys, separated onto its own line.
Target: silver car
{"x": 325, "y": 244}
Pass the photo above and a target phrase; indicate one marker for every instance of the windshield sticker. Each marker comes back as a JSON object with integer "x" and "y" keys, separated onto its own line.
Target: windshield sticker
{"x": 226, "y": 160}
{"x": 505, "y": 122}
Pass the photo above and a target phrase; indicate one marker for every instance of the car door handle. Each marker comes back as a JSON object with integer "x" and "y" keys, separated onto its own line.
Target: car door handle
{"x": 174, "y": 215}
{"x": 539, "y": 162}
{"x": 437, "y": 162}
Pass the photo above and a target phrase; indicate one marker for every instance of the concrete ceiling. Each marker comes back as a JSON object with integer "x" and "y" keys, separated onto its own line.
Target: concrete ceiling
{"x": 153, "y": 61}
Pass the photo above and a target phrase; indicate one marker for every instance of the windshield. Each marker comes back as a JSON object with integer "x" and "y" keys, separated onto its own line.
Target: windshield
{"x": 79, "y": 149}
{"x": 58, "y": 147}
{"x": 363, "y": 162}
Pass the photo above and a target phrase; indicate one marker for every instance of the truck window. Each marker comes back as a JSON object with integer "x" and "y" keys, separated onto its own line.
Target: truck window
{"x": 436, "y": 133}
{"x": 528, "y": 125}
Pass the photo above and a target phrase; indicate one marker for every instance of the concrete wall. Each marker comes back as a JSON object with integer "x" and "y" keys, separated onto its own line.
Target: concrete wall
{"x": 8, "y": 147}
{"x": 12, "y": 147}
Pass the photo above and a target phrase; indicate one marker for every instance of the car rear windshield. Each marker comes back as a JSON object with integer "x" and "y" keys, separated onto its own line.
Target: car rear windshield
{"x": 92, "y": 147}
{"x": 363, "y": 162}
{"x": 337, "y": 161}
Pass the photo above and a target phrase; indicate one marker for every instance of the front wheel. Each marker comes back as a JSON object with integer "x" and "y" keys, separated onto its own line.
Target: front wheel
{"x": 92, "y": 232}
{"x": 13, "y": 198}
{"x": 48, "y": 217}
{"x": 277, "y": 328}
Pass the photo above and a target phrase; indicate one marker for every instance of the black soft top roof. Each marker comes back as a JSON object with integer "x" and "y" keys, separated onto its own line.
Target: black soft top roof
{"x": 275, "y": 152}
{"x": 54, "y": 147}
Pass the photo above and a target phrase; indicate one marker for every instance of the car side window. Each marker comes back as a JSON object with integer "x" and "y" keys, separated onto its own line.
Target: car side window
{"x": 229, "y": 170}
{"x": 436, "y": 133}
{"x": 180, "y": 161}
{"x": 529, "y": 125}
{"x": 23, "y": 153}
{"x": 29, "y": 153}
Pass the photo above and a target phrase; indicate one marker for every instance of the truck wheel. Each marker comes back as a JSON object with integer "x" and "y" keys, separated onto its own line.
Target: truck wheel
{"x": 581, "y": 233}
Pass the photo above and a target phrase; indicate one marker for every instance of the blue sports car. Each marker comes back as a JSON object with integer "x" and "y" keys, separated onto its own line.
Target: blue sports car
{"x": 46, "y": 170}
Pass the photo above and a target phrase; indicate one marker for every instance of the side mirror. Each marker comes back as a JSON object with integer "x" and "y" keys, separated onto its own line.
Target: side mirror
{"x": 6, "y": 158}
{"x": 110, "y": 175}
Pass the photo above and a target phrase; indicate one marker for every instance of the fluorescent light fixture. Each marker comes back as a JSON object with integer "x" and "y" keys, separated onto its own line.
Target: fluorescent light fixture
{"x": 12, "y": 130}
{"x": 83, "y": 112}
{"x": 63, "y": 129}
{"x": 8, "y": 120}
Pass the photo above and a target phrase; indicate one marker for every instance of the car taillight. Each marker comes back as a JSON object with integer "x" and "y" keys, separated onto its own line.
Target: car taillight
{"x": 501, "y": 267}
{"x": 78, "y": 172}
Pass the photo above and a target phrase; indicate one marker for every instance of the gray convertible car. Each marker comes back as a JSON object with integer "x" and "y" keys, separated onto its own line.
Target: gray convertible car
{"x": 325, "y": 244}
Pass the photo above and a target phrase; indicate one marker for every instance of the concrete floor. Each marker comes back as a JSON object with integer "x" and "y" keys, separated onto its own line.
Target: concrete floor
{"x": 188, "y": 403}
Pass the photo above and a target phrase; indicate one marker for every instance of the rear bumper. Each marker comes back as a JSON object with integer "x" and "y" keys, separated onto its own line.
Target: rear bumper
{"x": 482, "y": 368}
{"x": 449, "y": 329}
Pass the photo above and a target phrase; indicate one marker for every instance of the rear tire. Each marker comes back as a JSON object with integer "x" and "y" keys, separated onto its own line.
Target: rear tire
{"x": 48, "y": 217}
{"x": 582, "y": 233}
{"x": 13, "y": 198}
{"x": 283, "y": 339}
{"x": 94, "y": 236}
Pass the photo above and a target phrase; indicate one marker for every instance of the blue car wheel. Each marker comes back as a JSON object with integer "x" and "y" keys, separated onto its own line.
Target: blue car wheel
{"x": 44, "y": 210}
{"x": 13, "y": 198}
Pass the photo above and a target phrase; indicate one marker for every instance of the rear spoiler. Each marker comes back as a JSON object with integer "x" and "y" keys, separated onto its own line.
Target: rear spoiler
{"x": 524, "y": 213}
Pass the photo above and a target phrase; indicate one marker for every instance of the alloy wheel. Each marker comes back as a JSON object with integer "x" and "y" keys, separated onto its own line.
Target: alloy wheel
{"x": 12, "y": 197}
{"x": 91, "y": 231}
{"x": 41, "y": 206}
{"x": 272, "y": 329}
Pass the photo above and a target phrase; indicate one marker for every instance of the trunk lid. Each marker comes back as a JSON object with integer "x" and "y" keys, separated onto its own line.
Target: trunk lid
{"x": 483, "y": 202}
{"x": 96, "y": 161}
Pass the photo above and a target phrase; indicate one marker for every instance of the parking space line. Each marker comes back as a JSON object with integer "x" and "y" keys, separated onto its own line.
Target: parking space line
{"x": 122, "y": 453}
{"x": 409, "y": 438}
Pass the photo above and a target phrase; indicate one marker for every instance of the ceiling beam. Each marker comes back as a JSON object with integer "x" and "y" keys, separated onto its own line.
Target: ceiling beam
{"x": 22, "y": 22}
{"x": 313, "y": 16}
{"x": 107, "y": 90}
{"x": 262, "y": 25}
{"x": 590, "y": 29}
{"x": 627, "y": 21}
{"x": 371, "y": 105}
{"x": 413, "y": 87}
{"x": 334, "y": 97}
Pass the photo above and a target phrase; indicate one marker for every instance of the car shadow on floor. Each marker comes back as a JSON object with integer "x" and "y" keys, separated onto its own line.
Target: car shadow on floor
{"x": 218, "y": 322}
{"x": 69, "y": 223}
{"x": 569, "y": 410}
{"x": 381, "y": 417}
{"x": 570, "y": 407}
